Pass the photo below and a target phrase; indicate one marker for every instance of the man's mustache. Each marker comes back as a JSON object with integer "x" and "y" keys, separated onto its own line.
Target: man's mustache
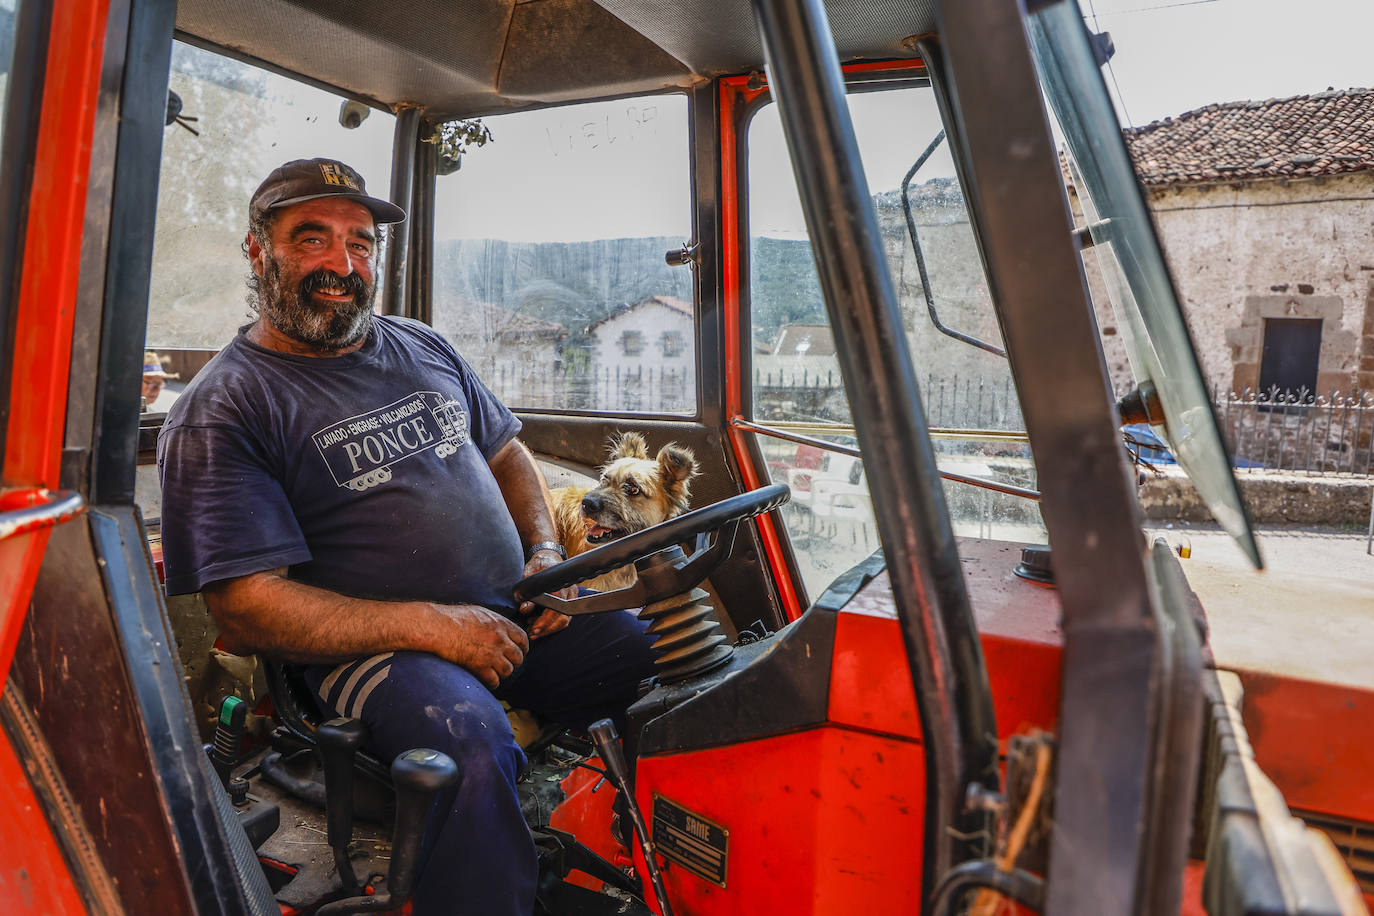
{"x": 352, "y": 284}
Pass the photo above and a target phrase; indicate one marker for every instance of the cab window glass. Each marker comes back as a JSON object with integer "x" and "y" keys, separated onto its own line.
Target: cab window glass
{"x": 9, "y": 10}
{"x": 968, "y": 391}
{"x": 237, "y": 123}
{"x": 549, "y": 272}
{"x": 243, "y": 122}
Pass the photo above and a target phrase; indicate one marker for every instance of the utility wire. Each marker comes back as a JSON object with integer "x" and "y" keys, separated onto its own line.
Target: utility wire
{"x": 1111, "y": 71}
{"x": 1162, "y": 6}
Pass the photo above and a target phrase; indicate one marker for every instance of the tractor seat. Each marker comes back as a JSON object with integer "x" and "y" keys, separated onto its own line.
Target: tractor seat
{"x": 300, "y": 714}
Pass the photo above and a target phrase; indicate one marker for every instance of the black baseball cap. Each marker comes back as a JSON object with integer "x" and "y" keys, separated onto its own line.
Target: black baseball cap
{"x": 311, "y": 179}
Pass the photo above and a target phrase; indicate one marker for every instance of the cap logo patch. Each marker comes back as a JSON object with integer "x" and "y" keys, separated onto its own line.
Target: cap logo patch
{"x": 335, "y": 174}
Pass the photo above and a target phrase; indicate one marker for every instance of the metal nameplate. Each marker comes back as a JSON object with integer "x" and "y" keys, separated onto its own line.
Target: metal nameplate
{"x": 698, "y": 845}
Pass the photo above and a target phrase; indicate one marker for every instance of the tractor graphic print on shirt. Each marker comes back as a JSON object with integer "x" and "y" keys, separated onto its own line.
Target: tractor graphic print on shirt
{"x": 361, "y": 450}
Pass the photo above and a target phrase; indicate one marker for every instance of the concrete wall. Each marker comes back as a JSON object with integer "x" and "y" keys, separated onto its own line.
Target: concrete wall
{"x": 1272, "y": 498}
{"x": 1276, "y": 249}
{"x": 958, "y": 286}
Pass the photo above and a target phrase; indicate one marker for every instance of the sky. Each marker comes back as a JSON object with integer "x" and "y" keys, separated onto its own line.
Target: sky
{"x": 1173, "y": 56}
{"x": 618, "y": 169}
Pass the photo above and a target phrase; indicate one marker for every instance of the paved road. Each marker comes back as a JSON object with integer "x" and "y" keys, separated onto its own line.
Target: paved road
{"x": 1286, "y": 549}
{"x": 1310, "y": 614}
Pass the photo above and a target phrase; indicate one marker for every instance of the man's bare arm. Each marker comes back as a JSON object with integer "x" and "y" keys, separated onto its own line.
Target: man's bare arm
{"x": 527, "y": 498}
{"x": 269, "y": 613}
{"x": 525, "y": 492}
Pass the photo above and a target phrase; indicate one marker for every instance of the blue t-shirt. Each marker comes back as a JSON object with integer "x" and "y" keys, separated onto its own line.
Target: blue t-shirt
{"x": 366, "y": 474}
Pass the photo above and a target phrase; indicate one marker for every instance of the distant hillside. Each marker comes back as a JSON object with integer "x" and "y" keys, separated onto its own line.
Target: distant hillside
{"x": 572, "y": 283}
{"x": 578, "y": 283}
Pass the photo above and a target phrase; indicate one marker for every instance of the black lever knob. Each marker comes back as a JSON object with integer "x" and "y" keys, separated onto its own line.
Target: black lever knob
{"x": 417, "y": 775}
{"x": 338, "y": 741}
{"x": 607, "y": 742}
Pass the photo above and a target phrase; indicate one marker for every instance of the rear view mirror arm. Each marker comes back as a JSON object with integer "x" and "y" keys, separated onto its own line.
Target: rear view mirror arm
{"x": 921, "y": 261}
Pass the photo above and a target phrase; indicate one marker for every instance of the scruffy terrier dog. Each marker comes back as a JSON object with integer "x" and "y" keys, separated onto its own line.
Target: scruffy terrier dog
{"x": 635, "y": 492}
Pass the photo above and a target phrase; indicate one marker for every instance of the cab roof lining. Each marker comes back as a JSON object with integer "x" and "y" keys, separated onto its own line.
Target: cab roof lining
{"x": 469, "y": 57}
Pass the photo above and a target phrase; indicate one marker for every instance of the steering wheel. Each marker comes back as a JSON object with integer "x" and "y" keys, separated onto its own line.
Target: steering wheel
{"x": 695, "y": 524}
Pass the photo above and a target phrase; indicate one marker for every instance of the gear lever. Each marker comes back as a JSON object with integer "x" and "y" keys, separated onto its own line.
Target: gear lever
{"x": 339, "y": 740}
{"x": 224, "y": 753}
{"x": 608, "y": 747}
{"x": 418, "y": 776}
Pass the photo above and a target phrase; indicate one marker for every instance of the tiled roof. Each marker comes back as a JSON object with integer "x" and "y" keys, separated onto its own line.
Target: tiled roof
{"x": 672, "y": 302}
{"x": 1326, "y": 133}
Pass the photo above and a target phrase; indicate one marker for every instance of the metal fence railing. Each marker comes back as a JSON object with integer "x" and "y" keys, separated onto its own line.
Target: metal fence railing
{"x": 635, "y": 388}
{"x": 1299, "y": 430}
{"x": 950, "y": 401}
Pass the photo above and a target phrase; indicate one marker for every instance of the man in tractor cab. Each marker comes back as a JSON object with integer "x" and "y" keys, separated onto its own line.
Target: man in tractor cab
{"x": 352, "y": 499}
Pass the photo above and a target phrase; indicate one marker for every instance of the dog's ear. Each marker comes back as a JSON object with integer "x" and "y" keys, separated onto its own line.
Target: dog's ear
{"x": 677, "y": 465}
{"x": 627, "y": 445}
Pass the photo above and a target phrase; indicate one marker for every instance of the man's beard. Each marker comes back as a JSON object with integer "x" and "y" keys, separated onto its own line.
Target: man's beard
{"x": 294, "y": 313}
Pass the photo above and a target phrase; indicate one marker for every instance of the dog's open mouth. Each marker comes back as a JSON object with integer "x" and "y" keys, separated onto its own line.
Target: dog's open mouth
{"x": 599, "y": 535}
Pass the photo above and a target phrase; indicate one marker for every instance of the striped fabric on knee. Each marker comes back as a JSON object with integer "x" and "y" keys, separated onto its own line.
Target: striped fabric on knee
{"x": 348, "y": 686}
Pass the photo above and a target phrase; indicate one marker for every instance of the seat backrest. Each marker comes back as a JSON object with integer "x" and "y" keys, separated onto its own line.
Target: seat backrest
{"x": 296, "y": 706}
{"x": 300, "y": 713}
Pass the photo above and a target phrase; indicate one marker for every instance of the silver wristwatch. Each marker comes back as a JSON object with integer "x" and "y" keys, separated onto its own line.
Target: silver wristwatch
{"x": 545, "y": 545}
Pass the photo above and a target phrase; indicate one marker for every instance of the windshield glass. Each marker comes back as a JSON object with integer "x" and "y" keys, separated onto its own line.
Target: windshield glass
{"x": 951, "y": 330}
{"x": 549, "y": 270}
{"x": 1128, "y": 253}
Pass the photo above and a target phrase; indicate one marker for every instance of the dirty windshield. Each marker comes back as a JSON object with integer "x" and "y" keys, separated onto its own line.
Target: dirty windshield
{"x": 951, "y": 330}
{"x": 1126, "y": 249}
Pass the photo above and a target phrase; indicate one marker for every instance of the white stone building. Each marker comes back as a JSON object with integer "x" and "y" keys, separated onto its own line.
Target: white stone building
{"x": 643, "y": 355}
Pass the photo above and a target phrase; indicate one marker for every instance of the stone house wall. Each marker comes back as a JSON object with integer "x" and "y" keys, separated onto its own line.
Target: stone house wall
{"x": 1240, "y": 253}
{"x": 1274, "y": 249}
{"x": 651, "y": 321}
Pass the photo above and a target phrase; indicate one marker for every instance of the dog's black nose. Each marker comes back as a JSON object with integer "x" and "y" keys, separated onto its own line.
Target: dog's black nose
{"x": 590, "y": 504}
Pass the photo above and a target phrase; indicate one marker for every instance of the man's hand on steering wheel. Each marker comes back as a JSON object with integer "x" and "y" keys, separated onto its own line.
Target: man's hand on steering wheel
{"x": 550, "y": 621}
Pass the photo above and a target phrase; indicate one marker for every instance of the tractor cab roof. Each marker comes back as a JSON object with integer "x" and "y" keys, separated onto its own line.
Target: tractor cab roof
{"x": 480, "y": 56}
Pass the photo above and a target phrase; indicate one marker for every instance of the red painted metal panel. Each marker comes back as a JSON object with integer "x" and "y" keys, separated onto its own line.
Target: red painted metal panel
{"x": 836, "y": 827}
{"x": 34, "y": 877}
{"x": 1192, "y": 889}
{"x": 870, "y": 683}
{"x": 586, "y": 813}
{"x": 1312, "y": 740}
{"x": 734, "y": 96}
{"x": 47, "y": 289}
{"x": 52, "y": 248}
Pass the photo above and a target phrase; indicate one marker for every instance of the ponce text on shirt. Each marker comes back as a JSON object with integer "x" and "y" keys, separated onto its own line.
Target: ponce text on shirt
{"x": 369, "y": 424}
{"x": 358, "y": 449}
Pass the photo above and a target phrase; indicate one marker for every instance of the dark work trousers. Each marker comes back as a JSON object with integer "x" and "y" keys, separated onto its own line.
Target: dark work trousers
{"x": 479, "y": 856}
